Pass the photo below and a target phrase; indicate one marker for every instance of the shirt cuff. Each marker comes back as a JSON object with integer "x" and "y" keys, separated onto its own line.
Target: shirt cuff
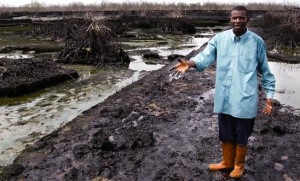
{"x": 270, "y": 95}
{"x": 199, "y": 65}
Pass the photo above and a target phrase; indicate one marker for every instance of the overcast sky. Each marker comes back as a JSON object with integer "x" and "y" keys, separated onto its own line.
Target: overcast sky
{"x": 65, "y": 2}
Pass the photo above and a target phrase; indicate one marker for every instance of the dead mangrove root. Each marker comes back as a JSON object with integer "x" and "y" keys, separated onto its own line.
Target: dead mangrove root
{"x": 92, "y": 43}
{"x": 282, "y": 28}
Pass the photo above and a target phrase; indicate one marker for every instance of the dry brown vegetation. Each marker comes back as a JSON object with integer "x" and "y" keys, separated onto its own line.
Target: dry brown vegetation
{"x": 92, "y": 42}
{"x": 35, "y": 6}
{"x": 282, "y": 28}
{"x": 280, "y": 25}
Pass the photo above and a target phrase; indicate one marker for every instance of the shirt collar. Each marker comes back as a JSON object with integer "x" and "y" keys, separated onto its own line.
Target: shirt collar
{"x": 232, "y": 35}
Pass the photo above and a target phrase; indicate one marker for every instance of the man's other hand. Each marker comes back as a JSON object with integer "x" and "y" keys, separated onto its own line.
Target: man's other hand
{"x": 268, "y": 107}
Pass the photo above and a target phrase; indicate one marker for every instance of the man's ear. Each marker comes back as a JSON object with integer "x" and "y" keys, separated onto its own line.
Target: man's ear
{"x": 248, "y": 19}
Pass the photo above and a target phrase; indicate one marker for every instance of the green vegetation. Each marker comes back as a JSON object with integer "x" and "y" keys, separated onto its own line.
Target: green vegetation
{"x": 13, "y": 38}
{"x": 15, "y": 29}
{"x": 138, "y": 43}
{"x": 84, "y": 69}
{"x": 27, "y": 44}
{"x": 168, "y": 40}
{"x": 18, "y": 100}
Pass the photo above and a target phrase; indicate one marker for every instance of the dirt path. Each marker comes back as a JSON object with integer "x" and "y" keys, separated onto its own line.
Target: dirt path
{"x": 157, "y": 129}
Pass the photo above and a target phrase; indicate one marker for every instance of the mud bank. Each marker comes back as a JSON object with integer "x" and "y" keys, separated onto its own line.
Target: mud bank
{"x": 158, "y": 128}
{"x": 22, "y": 76}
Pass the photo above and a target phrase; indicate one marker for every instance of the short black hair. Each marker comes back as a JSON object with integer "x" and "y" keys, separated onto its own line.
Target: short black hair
{"x": 240, "y": 8}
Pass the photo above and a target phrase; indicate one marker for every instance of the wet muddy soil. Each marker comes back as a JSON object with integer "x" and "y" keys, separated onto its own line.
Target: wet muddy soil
{"x": 158, "y": 128}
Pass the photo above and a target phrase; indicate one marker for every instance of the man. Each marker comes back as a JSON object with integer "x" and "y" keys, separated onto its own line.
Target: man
{"x": 239, "y": 55}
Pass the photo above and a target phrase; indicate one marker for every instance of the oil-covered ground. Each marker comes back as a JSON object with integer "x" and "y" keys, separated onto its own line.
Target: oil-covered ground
{"x": 18, "y": 77}
{"x": 158, "y": 128}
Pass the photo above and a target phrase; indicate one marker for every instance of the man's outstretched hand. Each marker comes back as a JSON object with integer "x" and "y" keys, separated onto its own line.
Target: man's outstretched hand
{"x": 181, "y": 67}
{"x": 268, "y": 107}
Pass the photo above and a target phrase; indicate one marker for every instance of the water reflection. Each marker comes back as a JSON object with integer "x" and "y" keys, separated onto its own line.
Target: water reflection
{"x": 287, "y": 83}
{"x": 15, "y": 56}
{"x": 139, "y": 65}
{"x": 190, "y": 45}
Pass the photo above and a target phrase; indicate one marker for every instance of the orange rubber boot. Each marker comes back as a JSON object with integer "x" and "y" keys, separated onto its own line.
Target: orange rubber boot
{"x": 228, "y": 152}
{"x": 239, "y": 165}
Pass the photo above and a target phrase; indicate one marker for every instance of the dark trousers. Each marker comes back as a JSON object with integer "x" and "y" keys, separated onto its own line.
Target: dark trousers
{"x": 232, "y": 129}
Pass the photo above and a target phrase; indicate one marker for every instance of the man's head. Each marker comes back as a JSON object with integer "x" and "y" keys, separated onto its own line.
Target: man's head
{"x": 239, "y": 19}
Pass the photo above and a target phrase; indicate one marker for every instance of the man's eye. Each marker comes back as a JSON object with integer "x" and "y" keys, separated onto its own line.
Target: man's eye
{"x": 240, "y": 18}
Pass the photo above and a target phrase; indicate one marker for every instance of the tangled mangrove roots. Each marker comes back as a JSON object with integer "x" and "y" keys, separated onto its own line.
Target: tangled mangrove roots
{"x": 282, "y": 28}
{"x": 175, "y": 23}
{"x": 92, "y": 44}
{"x": 47, "y": 29}
{"x": 177, "y": 26}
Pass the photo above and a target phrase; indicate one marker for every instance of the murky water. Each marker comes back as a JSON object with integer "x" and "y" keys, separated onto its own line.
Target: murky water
{"x": 287, "y": 83}
{"x": 139, "y": 65}
{"x": 26, "y": 122}
{"x": 15, "y": 56}
{"x": 186, "y": 48}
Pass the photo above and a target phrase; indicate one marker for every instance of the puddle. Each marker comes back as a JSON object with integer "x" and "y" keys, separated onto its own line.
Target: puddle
{"x": 15, "y": 56}
{"x": 139, "y": 65}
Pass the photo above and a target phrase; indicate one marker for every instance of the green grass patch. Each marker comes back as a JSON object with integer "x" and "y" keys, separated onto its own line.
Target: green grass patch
{"x": 84, "y": 68}
{"x": 21, "y": 99}
{"x": 14, "y": 29}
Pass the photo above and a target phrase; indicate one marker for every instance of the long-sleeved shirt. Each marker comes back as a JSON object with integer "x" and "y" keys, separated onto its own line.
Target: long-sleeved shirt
{"x": 238, "y": 60}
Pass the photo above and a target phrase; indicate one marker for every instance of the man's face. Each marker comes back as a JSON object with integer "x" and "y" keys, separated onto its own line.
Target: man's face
{"x": 238, "y": 21}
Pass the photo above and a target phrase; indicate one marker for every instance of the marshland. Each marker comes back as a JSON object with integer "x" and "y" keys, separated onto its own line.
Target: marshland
{"x": 86, "y": 92}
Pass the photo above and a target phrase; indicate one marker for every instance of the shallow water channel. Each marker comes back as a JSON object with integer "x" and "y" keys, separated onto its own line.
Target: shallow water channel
{"x": 25, "y": 119}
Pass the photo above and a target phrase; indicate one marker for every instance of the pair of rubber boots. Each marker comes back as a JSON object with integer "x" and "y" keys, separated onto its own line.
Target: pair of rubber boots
{"x": 233, "y": 157}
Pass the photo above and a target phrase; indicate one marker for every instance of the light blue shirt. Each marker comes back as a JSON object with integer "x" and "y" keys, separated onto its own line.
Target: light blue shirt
{"x": 238, "y": 63}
